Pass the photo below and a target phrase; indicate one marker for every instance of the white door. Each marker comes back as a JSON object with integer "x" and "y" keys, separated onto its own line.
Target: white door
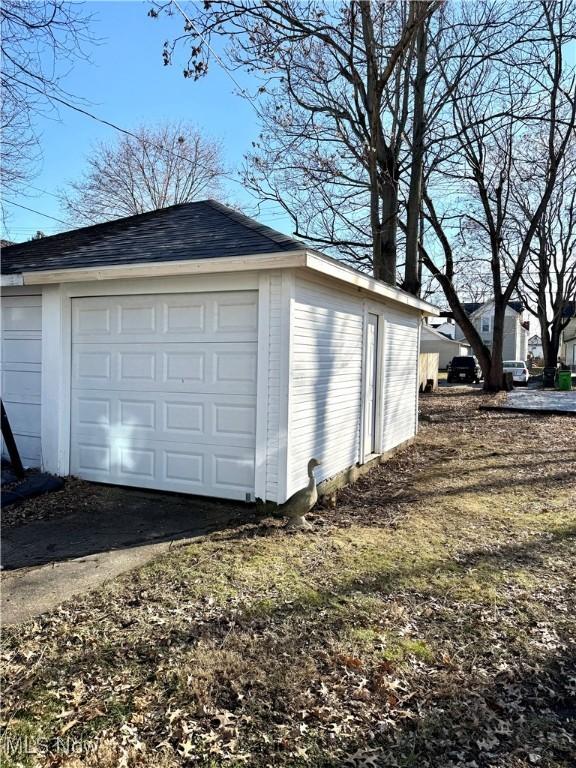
{"x": 22, "y": 372}
{"x": 371, "y": 373}
{"x": 164, "y": 391}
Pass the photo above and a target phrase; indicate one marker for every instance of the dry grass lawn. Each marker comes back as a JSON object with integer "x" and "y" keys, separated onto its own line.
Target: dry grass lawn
{"x": 429, "y": 620}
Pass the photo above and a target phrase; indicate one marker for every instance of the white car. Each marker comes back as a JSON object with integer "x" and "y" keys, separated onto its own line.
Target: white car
{"x": 518, "y": 369}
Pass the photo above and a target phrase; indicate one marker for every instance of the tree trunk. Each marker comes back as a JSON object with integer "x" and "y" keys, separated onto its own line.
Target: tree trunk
{"x": 551, "y": 345}
{"x": 411, "y": 274}
{"x": 493, "y": 378}
{"x": 385, "y": 249}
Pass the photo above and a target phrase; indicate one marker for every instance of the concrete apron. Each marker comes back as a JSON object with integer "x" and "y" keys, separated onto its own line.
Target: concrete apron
{"x": 29, "y": 592}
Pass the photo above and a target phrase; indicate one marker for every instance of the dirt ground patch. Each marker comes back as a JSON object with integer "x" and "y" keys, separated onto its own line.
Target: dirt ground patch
{"x": 74, "y": 496}
{"x": 428, "y": 621}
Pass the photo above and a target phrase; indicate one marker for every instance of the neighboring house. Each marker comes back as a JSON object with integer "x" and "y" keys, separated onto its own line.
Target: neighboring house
{"x": 433, "y": 341}
{"x": 568, "y": 345}
{"x": 535, "y": 349}
{"x": 516, "y": 327}
{"x": 443, "y": 325}
{"x": 192, "y": 349}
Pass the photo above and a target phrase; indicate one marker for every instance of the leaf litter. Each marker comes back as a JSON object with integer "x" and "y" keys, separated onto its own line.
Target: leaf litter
{"x": 428, "y": 620}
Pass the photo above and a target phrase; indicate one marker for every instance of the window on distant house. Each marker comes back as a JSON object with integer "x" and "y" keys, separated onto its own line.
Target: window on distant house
{"x": 485, "y": 324}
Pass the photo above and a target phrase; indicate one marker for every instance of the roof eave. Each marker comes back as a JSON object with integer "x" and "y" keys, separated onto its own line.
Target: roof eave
{"x": 277, "y": 260}
{"x": 7, "y": 281}
{"x": 331, "y": 268}
{"x": 309, "y": 260}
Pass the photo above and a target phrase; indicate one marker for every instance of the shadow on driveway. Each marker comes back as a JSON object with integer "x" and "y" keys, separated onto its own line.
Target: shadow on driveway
{"x": 48, "y": 561}
{"x": 116, "y": 519}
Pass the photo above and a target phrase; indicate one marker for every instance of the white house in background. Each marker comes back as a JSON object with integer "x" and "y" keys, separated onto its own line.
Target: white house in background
{"x": 568, "y": 345}
{"x": 445, "y": 326}
{"x": 535, "y": 346}
{"x": 192, "y": 349}
{"x": 516, "y": 327}
{"x": 433, "y": 341}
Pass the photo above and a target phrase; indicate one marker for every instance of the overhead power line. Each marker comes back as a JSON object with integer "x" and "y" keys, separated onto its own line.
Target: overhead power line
{"x": 115, "y": 126}
{"x": 32, "y": 210}
{"x": 39, "y": 189}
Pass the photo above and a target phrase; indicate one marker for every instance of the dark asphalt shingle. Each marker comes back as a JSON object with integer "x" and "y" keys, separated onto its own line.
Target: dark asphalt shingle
{"x": 200, "y": 230}
{"x": 471, "y": 306}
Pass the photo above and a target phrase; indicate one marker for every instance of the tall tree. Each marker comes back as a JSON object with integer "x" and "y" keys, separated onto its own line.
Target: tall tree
{"x": 418, "y": 150}
{"x": 38, "y": 39}
{"x": 481, "y": 153}
{"x": 334, "y": 112}
{"x": 548, "y": 281}
{"x": 150, "y": 168}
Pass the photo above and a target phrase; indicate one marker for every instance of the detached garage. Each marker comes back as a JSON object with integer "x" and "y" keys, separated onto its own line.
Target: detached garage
{"x": 192, "y": 349}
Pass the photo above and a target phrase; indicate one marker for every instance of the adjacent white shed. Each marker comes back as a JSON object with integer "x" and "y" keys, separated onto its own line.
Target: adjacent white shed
{"x": 433, "y": 341}
{"x": 194, "y": 350}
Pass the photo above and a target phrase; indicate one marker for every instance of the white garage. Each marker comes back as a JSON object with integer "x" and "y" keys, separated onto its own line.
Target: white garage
{"x": 193, "y": 350}
{"x": 21, "y": 364}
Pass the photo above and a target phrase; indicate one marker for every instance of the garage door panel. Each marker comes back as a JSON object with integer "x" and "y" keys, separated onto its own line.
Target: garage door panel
{"x": 17, "y": 351}
{"x": 22, "y": 314}
{"x": 30, "y": 449}
{"x": 22, "y": 385}
{"x": 188, "y": 468}
{"x": 194, "y": 317}
{"x": 194, "y": 367}
{"x": 209, "y": 419}
{"x": 24, "y": 417}
{"x": 164, "y": 391}
{"x": 21, "y": 372}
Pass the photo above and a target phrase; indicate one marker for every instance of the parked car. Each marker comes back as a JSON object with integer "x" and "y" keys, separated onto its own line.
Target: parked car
{"x": 464, "y": 369}
{"x": 518, "y": 369}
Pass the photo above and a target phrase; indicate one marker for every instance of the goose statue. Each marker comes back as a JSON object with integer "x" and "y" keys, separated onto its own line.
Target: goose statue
{"x": 300, "y": 503}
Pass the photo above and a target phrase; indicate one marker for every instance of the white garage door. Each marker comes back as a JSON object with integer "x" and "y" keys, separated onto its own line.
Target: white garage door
{"x": 164, "y": 391}
{"x": 22, "y": 372}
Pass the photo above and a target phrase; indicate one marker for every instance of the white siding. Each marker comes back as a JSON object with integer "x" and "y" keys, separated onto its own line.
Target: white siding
{"x": 325, "y": 382}
{"x": 273, "y": 405}
{"x": 400, "y": 378}
{"x": 22, "y": 372}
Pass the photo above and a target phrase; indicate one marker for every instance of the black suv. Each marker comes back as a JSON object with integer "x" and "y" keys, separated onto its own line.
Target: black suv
{"x": 465, "y": 369}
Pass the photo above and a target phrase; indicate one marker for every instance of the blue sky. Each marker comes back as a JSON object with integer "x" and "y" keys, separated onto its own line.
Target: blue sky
{"x": 125, "y": 82}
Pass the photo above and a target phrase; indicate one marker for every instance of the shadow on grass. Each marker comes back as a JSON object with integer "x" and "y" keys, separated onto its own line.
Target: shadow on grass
{"x": 493, "y": 704}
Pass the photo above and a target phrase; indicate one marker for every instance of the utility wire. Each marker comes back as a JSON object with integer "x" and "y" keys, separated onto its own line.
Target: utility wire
{"x": 39, "y": 189}
{"x": 127, "y": 132}
{"x": 32, "y": 210}
{"x": 116, "y": 127}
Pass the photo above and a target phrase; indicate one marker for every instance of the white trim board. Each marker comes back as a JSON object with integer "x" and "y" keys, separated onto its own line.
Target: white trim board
{"x": 312, "y": 262}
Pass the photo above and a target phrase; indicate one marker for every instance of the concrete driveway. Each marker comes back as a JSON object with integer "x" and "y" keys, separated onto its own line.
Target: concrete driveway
{"x": 48, "y": 561}
{"x": 543, "y": 400}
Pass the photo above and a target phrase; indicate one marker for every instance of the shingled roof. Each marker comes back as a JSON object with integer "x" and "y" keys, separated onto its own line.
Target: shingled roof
{"x": 201, "y": 230}
{"x": 472, "y": 306}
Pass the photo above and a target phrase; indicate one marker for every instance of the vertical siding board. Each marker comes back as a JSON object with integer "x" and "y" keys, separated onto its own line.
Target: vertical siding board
{"x": 273, "y": 394}
{"x": 262, "y": 399}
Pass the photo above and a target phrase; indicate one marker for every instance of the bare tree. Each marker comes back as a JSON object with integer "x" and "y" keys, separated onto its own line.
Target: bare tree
{"x": 412, "y": 275}
{"x": 548, "y": 281}
{"x": 481, "y": 153}
{"x": 149, "y": 169}
{"x": 334, "y": 111}
{"x": 38, "y": 39}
